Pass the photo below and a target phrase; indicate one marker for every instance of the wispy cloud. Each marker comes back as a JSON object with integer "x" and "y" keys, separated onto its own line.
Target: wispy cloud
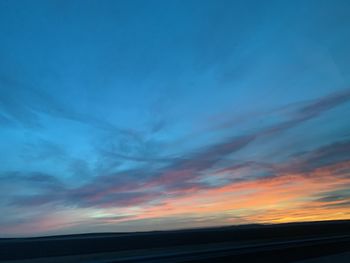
{"x": 164, "y": 189}
{"x": 183, "y": 175}
{"x": 24, "y": 103}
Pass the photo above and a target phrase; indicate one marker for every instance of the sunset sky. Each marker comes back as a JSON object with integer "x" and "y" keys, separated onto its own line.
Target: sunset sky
{"x": 151, "y": 115}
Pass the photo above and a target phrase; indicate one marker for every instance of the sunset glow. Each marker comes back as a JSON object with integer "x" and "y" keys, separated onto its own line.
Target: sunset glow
{"x": 151, "y": 115}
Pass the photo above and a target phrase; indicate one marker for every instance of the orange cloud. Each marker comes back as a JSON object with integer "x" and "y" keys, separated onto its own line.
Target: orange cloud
{"x": 284, "y": 198}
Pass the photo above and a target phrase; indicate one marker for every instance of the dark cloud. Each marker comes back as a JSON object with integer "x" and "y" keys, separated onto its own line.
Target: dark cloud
{"x": 323, "y": 156}
{"x": 334, "y": 199}
{"x": 290, "y": 115}
{"x": 337, "y": 195}
{"x": 319, "y": 106}
{"x": 344, "y": 204}
{"x": 31, "y": 189}
{"x": 33, "y": 180}
{"x": 189, "y": 167}
{"x": 309, "y": 111}
{"x": 207, "y": 157}
{"x": 132, "y": 188}
{"x": 36, "y": 200}
{"x": 331, "y": 198}
{"x": 104, "y": 191}
{"x": 179, "y": 175}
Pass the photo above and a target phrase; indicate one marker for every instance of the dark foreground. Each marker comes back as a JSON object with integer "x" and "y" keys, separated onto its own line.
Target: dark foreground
{"x": 251, "y": 243}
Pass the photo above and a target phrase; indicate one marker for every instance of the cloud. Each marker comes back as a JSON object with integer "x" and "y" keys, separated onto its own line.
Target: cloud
{"x": 332, "y": 153}
{"x": 35, "y": 200}
{"x": 287, "y": 197}
{"x": 332, "y": 198}
{"x": 189, "y": 167}
{"x": 24, "y": 103}
{"x": 289, "y": 115}
{"x": 167, "y": 180}
{"x": 319, "y": 106}
{"x": 32, "y": 180}
{"x": 336, "y": 198}
{"x": 310, "y": 110}
{"x": 183, "y": 172}
{"x": 207, "y": 157}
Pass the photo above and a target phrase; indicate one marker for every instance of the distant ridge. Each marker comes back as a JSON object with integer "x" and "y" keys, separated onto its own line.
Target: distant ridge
{"x": 199, "y": 229}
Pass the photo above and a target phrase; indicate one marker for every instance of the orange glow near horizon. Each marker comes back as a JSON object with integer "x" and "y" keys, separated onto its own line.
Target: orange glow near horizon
{"x": 289, "y": 197}
{"x": 286, "y": 198}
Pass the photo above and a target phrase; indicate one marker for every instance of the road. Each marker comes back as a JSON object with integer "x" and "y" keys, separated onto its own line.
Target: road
{"x": 273, "y": 243}
{"x": 262, "y": 251}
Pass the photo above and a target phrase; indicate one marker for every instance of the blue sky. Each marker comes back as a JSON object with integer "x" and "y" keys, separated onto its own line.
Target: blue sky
{"x": 112, "y": 113}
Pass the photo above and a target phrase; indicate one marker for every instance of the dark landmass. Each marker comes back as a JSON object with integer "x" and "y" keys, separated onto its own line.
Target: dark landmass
{"x": 248, "y": 243}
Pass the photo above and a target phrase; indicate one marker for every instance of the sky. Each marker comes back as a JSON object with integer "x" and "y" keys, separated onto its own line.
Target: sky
{"x": 150, "y": 115}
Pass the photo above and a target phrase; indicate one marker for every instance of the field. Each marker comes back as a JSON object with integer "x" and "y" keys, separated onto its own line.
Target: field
{"x": 248, "y": 243}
